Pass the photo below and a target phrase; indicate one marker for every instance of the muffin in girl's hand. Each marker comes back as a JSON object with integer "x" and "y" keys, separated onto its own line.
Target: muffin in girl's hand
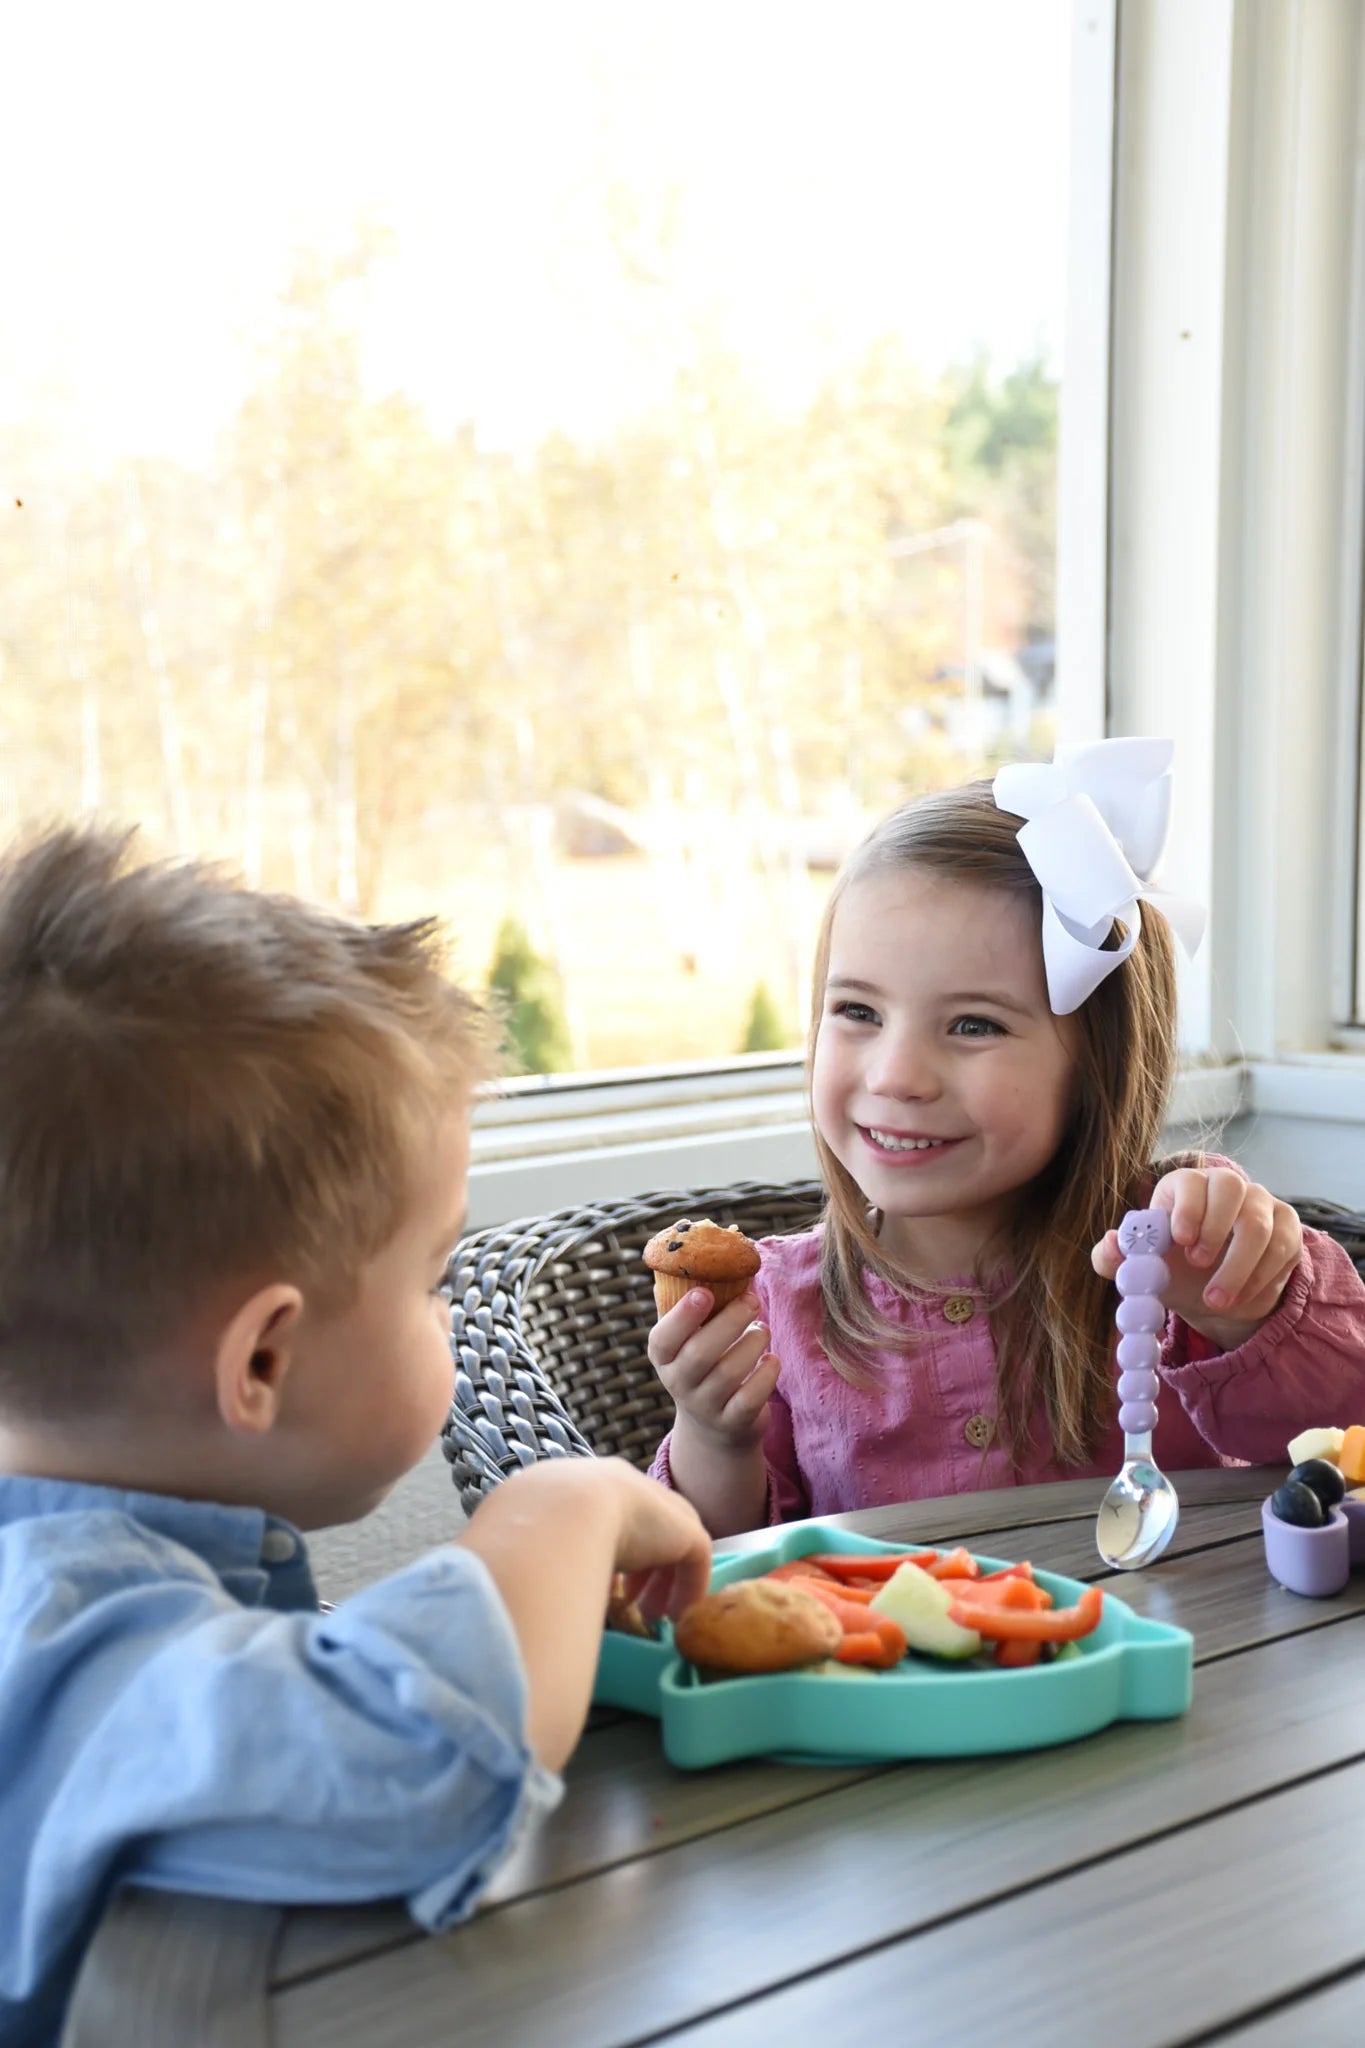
{"x": 703, "y": 1254}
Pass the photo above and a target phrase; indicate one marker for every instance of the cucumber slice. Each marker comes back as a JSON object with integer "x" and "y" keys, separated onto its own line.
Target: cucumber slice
{"x": 920, "y": 1606}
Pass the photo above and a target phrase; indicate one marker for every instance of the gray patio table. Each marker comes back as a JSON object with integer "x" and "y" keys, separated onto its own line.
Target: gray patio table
{"x": 1157, "y": 1883}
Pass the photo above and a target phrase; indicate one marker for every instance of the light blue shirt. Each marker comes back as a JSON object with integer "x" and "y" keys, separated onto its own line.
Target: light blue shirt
{"x": 174, "y": 1710}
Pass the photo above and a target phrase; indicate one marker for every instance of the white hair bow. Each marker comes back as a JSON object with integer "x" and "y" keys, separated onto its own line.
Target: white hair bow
{"x": 1095, "y": 826}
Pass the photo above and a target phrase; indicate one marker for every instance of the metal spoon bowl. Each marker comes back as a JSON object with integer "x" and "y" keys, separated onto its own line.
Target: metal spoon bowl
{"x": 1138, "y": 1514}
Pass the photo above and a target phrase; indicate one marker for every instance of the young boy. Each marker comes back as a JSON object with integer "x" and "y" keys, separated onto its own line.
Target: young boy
{"x": 233, "y": 1143}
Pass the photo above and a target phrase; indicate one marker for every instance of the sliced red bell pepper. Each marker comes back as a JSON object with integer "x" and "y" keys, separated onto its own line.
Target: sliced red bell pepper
{"x": 802, "y": 1568}
{"x": 1004, "y": 1590}
{"x": 862, "y": 1596}
{"x": 852, "y": 1565}
{"x": 801, "y": 1574}
{"x": 1003, "y": 1624}
{"x": 856, "y": 1620}
{"x": 954, "y": 1564}
{"x": 868, "y": 1647}
{"x": 1019, "y": 1654}
{"x": 1022, "y": 1570}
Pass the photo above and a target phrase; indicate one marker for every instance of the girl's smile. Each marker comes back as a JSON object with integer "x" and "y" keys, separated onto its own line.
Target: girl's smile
{"x": 908, "y": 1147}
{"x": 941, "y": 1079}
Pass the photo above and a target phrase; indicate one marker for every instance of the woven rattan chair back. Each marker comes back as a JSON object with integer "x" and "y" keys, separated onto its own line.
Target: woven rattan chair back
{"x": 550, "y": 1319}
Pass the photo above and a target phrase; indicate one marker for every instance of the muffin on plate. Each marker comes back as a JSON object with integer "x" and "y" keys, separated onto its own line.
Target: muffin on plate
{"x": 756, "y": 1626}
{"x": 702, "y": 1254}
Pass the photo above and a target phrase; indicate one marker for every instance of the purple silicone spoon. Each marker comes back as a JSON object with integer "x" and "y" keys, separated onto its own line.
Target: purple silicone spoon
{"x": 1138, "y": 1515}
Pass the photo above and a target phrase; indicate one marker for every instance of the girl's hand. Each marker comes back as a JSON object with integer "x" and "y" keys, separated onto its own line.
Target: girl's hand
{"x": 719, "y": 1372}
{"x": 1233, "y": 1249}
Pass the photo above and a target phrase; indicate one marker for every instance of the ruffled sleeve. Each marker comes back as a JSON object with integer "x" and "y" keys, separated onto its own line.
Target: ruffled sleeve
{"x": 1303, "y": 1367}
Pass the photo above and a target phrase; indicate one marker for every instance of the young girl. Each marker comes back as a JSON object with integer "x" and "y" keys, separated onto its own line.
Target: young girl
{"x": 989, "y": 1070}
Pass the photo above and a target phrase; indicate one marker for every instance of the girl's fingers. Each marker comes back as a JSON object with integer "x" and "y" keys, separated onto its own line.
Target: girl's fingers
{"x": 1255, "y": 1284}
{"x": 705, "y": 1385}
{"x": 1228, "y": 1202}
{"x": 1105, "y": 1257}
{"x": 1182, "y": 1195}
{"x": 1248, "y": 1242}
{"x": 1263, "y": 1291}
{"x": 749, "y": 1400}
{"x": 673, "y": 1332}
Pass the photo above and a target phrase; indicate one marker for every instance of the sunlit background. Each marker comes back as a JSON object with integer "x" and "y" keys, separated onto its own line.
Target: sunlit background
{"x": 565, "y": 466}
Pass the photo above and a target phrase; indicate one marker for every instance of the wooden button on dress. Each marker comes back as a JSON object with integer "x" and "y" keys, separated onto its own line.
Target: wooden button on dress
{"x": 978, "y": 1431}
{"x": 959, "y": 1308}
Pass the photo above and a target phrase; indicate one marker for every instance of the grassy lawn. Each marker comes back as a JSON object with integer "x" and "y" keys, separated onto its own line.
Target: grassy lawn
{"x": 657, "y": 965}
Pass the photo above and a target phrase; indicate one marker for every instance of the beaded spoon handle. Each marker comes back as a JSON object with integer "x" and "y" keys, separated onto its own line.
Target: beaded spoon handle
{"x": 1138, "y": 1515}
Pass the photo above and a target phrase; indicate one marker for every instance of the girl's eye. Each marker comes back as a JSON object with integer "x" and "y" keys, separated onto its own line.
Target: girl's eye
{"x": 976, "y": 1027}
{"x": 856, "y": 1013}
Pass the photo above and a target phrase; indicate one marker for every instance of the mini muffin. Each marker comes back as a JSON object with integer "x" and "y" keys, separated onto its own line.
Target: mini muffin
{"x": 756, "y": 1626}
{"x": 703, "y": 1254}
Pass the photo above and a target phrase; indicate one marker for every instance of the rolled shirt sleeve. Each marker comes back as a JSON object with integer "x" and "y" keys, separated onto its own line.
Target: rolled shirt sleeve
{"x": 186, "y": 1742}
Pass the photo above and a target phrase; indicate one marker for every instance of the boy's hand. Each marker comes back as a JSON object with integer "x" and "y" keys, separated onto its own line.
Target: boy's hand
{"x": 662, "y": 1546}
{"x": 552, "y": 1538}
{"x": 1233, "y": 1249}
{"x": 719, "y": 1372}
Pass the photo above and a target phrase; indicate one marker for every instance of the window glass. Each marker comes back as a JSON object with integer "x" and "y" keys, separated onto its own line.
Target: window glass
{"x": 568, "y": 466}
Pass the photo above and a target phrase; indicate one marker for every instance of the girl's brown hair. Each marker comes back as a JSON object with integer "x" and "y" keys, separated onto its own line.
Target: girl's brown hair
{"x": 199, "y": 1083}
{"x": 1051, "y": 1316}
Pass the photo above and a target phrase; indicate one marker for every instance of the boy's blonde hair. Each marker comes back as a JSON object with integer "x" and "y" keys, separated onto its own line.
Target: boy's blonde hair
{"x": 1052, "y": 1319}
{"x": 199, "y": 1084}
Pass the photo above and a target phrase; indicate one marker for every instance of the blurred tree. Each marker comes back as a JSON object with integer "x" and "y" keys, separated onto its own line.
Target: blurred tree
{"x": 363, "y": 658}
{"x": 537, "y": 1035}
{"x": 1000, "y": 440}
{"x": 765, "y": 1031}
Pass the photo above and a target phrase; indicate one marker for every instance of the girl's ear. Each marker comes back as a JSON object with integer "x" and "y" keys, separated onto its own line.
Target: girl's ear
{"x": 253, "y": 1355}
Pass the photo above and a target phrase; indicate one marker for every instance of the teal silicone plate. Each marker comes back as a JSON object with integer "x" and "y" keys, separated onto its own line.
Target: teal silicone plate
{"x": 1129, "y": 1669}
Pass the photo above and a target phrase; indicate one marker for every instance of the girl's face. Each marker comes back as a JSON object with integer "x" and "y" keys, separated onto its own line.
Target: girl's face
{"x": 941, "y": 1079}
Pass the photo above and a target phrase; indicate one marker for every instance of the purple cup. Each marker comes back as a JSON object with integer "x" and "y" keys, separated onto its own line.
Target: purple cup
{"x": 1314, "y": 1562}
{"x": 1354, "y": 1511}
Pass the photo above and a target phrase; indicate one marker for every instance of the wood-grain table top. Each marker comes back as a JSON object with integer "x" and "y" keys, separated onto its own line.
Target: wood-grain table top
{"x": 1156, "y": 1883}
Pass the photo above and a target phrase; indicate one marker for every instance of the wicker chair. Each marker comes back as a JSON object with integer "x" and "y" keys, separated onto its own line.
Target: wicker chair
{"x": 550, "y": 1317}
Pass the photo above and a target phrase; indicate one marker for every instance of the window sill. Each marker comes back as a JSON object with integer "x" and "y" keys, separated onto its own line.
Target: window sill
{"x": 548, "y": 1144}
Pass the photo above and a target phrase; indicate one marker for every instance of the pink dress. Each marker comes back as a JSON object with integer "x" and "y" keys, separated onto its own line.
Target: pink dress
{"x": 926, "y": 1426}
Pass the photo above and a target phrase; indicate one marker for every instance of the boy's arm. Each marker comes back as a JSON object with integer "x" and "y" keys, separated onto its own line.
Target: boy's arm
{"x": 182, "y": 1740}
{"x": 552, "y": 1539}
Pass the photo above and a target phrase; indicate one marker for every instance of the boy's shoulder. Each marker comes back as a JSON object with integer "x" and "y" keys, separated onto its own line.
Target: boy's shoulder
{"x": 70, "y": 1546}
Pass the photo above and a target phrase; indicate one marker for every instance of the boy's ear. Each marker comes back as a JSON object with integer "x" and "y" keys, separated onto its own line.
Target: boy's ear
{"x": 253, "y": 1356}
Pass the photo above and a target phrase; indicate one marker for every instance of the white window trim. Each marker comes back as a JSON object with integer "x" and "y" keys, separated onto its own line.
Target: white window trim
{"x": 1083, "y": 424}
{"x": 1236, "y": 488}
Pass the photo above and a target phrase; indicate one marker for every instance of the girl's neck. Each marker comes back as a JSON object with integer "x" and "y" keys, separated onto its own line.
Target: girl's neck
{"x": 928, "y": 1250}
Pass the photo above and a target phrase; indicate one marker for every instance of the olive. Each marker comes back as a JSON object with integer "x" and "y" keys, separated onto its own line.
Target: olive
{"x": 1295, "y": 1502}
{"x": 1324, "y": 1478}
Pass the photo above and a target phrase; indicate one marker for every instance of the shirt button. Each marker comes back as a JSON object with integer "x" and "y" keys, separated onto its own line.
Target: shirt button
{"x": 978, "y": 1431}
{"x": 277, "y": 1546}
{"x": 959, "y": 1308}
